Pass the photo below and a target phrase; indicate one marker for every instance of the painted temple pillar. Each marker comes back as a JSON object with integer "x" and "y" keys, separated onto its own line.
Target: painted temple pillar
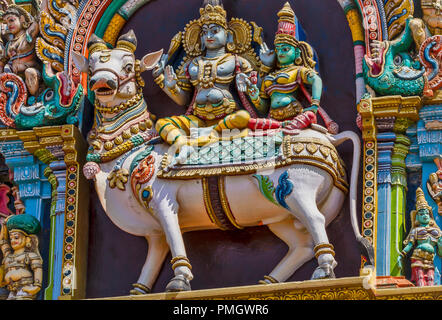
{"x": 34, "y": 189}
{"x": 385, "y": 149}
{"x": 398, "y": 200}
{"x": 384, "y": 121}
{"x": 63, "y": 149}
{"x": 46, "y": 163}
{"x": 426, "y": 137}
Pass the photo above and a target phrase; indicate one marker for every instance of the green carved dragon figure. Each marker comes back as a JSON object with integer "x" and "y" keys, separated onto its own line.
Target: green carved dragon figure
{"x": 391, "y": 69}
{"x": 56, "y": 105}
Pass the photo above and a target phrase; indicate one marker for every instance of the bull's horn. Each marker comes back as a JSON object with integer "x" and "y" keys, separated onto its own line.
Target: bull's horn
{"x": 127, "y": 41}
{"x": 95, "y": 43}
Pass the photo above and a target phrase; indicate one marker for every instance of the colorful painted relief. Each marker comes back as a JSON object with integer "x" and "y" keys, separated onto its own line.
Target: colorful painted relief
{"x": 218, "y": 141}
{"x": 34, "y": 88}
{"x": 22, "y": 266}
{"x": 252, "y": 126}
{"x": 400, "y": 113}
{"x": 423, "y": 242}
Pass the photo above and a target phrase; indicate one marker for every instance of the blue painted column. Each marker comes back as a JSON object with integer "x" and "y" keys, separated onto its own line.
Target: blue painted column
{"x": 59, "y": 170}
{"x": 385, "y": 149}
{"x": 34, "y": 188}
{"x": 429, "y": 139}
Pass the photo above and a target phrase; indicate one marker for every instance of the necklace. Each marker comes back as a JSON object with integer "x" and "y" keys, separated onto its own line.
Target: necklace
{"x": 121, "y": 107}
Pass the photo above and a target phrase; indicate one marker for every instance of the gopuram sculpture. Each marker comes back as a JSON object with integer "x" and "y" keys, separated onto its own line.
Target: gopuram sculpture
{"x": 424, "y": 242}
{"x": 296, "y": 180}
{"x": 18, "y": 53}
{"x": 22, "y": 264}
{"x": 203, "y": 82}
{"x": 35, "y": 90}
{"x": 434, "y": 185}
{"x": 295, "y": 68}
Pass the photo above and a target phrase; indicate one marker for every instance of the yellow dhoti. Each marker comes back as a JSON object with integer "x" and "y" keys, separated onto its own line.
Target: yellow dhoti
{"x": 175, "y": 130}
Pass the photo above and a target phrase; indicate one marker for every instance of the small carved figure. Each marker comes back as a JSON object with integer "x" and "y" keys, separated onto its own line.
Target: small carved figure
{"x": 295, "y": 67}
{"x": 431, "y": 10}
{"x": 207, "y": 78}
{"x": 22, "y": 263}
{"x": 18, "y": 55}
{"x": 424, "y": 241}
{"x": 434, "y": 185}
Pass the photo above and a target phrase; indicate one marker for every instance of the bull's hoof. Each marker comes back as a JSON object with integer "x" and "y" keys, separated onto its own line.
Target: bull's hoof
{"x": 177, "y": 284}
{"x": 324, "y": 271}
{"x": 139, "y": 289}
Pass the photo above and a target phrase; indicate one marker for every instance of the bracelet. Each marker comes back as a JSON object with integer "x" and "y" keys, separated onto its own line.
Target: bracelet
{"x": 174, "y": 90}
{"x": 315, "y": 102}
{"x": 265, "y": 69}
{"x": 160, "y": 80}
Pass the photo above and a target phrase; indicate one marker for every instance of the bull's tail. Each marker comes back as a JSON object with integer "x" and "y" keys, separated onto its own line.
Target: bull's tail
{"x": 366, "y": 247}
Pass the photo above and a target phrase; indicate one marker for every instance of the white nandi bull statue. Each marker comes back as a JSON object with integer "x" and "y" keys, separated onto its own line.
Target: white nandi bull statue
{"x": 304, "y": 190}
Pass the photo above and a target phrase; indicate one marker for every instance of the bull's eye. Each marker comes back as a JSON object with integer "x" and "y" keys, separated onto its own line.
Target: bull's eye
{"x": 49, "y": 95}
{"x": 397, "y": 60}
{"x": 128, "y": 68}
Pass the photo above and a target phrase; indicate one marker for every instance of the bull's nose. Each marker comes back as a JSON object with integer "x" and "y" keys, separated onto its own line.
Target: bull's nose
{"x": 96, "y": 84}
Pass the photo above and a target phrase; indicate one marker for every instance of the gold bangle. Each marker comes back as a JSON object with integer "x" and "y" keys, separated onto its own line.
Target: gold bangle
{"x": 265, "y": 69}
{"x": 315, "y": 102}
{"x": 271, "y": 279}
{"x": 323, "y": 245}
{"x": 160, "y": 80}
{"x": 177, "y": 258}
{"x": 181, "y": 264}
{"x": 324, "y": 251}
{"x": 174, "y": 90}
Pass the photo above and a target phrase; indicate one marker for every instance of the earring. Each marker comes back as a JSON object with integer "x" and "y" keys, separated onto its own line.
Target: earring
{"x": 230, "y": 46}
{"x": 28, "y": 242}
{"x": 298, "y": 60}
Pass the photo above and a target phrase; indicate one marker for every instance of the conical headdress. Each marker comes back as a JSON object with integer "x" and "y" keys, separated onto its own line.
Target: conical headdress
{"x": 421, "y": 202}
{"x": 213, "y": 12}
{"x": 286, "y": 26}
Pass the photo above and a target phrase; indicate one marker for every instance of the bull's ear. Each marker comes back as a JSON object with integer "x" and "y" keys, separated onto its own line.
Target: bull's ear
{"x": 150, "y": 60}
{"x": 80, "y": 61}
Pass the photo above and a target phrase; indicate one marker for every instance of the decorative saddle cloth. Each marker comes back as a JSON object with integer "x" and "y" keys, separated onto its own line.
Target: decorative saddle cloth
{"x": 250, "y": 154}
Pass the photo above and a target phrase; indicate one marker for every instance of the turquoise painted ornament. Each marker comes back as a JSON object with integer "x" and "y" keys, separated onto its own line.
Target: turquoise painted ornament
{"x": 278, "y": 195}
{"x": 57, "y": 105}
{"x": 392, "y": 70}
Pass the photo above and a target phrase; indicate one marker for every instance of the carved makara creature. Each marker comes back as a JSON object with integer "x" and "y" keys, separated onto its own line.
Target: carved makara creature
{"x": 56, "y": 105}
{"x": 32, "y": 95}
{"x": 407, "y": 64}
{"x": 390, "y": 69}
{"x": 127, "y": 161}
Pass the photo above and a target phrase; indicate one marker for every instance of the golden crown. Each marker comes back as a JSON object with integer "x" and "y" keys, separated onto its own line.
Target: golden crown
{"x": 213, "y": 14}
{"x": 286, "y": 26}
{"x": 287, "y": 14}
{"x": 421, "y": 202}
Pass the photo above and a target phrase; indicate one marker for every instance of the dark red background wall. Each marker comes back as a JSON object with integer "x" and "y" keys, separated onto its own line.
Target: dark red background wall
{"x": 219, "y": 258}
